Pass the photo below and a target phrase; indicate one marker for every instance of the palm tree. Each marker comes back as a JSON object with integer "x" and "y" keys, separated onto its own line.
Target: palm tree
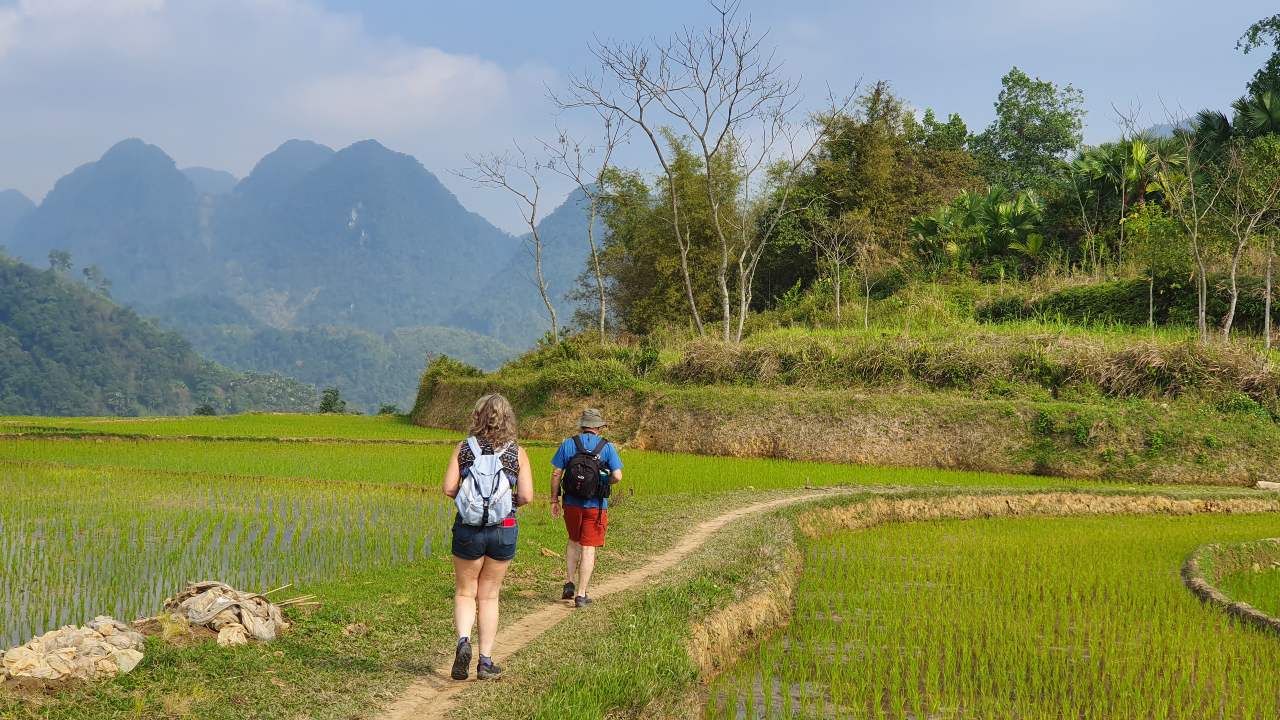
{"x": 1257, "y": 115}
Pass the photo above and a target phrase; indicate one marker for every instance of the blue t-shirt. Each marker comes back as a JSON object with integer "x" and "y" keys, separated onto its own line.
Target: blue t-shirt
{"x": 609, "y": 460}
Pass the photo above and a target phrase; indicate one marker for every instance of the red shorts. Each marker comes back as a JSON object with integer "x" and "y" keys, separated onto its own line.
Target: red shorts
{"x": 586, "y": 526}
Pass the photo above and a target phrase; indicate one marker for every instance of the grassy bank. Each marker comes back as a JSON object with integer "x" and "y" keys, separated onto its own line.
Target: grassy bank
{"x": 924, "y": 385}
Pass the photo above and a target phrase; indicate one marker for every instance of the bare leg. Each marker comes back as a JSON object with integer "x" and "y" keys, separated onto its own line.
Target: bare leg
{"x": 466, "y": 573}
{"x": 585, "y": 566}
{"x": 490, "y": 583}
{"x": 572, "y": 554}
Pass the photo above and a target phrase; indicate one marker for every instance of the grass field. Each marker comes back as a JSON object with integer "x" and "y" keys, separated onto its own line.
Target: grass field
{"x": 120, "y": 522}
{"x": 649, "y": 473}
{"x": 1015, "y": 618}
{"x": 265, "y": 426}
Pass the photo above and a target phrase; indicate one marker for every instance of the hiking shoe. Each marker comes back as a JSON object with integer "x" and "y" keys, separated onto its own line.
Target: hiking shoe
{"x": 581, "y": 601}
{"x": 568, "y": 592}
{"x": 488, "y": 671}
{"x": 461, "y": 659}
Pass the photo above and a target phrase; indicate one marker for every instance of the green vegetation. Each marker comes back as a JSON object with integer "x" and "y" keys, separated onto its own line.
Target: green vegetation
{"x": 67, "y": 350}
{"x": 265, "y": 426}
{"x": 1248, "y": 572}
{"x": 996, "y": 618}
{"x": 118, "y": 541}
{"x": 370, "y": 368}
{"x": 378, "y": 560}
{"x": 265, "y": 512}
{"x": 1039, "y": 395}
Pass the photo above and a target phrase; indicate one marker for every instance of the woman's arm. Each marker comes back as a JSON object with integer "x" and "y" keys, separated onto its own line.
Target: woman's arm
{"x": 524, "y": 483}
{"x": 451, "y": 474}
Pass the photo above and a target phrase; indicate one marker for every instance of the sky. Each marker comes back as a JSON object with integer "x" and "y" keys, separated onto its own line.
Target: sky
{"x": 220, "y": 83}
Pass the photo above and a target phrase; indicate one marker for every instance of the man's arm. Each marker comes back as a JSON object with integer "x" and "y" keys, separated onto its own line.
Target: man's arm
{"x": 555, "y": 491}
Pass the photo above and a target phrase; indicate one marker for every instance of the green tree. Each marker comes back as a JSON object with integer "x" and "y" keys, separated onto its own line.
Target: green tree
{"x": 644, "y": 266}
{"x": 331, "y": 401}
{"x": 204, "y": 409}
{"x": 1037, "y": 126}
{"x": 1156, "y": 243}
{"x": 60, "y": 261}
{"x": 97, "y": 280}
{"x": 1264, "y": 33}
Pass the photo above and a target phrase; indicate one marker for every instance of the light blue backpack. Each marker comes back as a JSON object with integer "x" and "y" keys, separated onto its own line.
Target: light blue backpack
{"x": 484, "y": 494}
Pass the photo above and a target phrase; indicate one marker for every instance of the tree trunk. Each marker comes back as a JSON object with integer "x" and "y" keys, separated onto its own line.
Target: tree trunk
{"x": 1202, "y": 290}
{"x": 1266, "y": 318}
{"x": 722, "y": 279}
{"x": 595, "y": 262}
{"x": 1151, "y": 299}
{"x": 542, "y": 284}
{"x": 1235, "y": 293}
{"x": 835, "y": 282}
{"x": 866, "y": 304}
{"x": 684, "y": 270}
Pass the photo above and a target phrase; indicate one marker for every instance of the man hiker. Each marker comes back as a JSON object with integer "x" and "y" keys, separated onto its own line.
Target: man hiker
{"x": 586, "y": 468}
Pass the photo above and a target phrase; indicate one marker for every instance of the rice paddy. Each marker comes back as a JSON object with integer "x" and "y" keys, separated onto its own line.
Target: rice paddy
{"x": 1255, "y": 577}
{"x": 254, "y": 425}
{"x": 1022, "y": 618}
{"x": 1009, "y": 618}
{"x": 75, "y": 543}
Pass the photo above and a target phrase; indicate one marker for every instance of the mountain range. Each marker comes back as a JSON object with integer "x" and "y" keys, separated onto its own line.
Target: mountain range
{"x": 346, "y": 267}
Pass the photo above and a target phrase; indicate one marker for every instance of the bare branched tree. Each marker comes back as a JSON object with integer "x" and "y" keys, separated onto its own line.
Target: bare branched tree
{"x": 836, "y": 241}
{"x": 719, "y": 83}
{"x": 587, "y": 166}
{"x": 717, "y": 86}
{"x": 521, "y": 176}
{"x": 1191, "y": 195}
{"x": 1246, "y": 207}
{"x": 627, "y": 85}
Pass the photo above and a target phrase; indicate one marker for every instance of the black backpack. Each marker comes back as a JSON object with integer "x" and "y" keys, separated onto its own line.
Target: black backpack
{"x": 582, "y": 474}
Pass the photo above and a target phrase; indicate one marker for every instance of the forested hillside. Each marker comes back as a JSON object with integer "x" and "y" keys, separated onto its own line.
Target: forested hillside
{"x": 67, "y": 350}
{"x": 347, "y": 268}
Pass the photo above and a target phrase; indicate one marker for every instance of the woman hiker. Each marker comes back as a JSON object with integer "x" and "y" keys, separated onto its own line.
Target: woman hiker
{"x": 586, "y": 466}
{"x": 488, "y": 477}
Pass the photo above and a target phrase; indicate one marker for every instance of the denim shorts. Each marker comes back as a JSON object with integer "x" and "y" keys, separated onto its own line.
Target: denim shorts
{"x": 494, "y": 541}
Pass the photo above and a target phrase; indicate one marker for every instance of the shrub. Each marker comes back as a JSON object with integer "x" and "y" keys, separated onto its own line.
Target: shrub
{"x": 204, "y": 409}
{"x": 331, "y": 401}
{"x": 389, "y": 409}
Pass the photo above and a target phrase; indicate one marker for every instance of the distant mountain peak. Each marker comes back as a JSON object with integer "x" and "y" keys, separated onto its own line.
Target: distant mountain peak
{"x": 210, "y": 181}
{"x": 135, "y": 150}
{"x": 12, "y": 198}
{"x": 285, "y": 165}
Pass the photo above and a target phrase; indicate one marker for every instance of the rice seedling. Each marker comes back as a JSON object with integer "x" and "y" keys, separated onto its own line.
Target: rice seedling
{"x": 1010, "y": 618}
{"x": 75, "y": 543}
{"x": 266, "y": 426}
{"x": 1254, "y": 577}
{"x": 648, "y": 473}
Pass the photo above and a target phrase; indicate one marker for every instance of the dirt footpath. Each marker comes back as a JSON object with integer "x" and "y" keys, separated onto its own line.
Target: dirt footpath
{"x": 435, "y": 695}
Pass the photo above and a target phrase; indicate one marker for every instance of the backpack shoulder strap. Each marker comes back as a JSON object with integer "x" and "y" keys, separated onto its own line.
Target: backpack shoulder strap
{"x": 474, "y": 445}
{"x": 600, "y": 446}
{"x": 577, "y": 444}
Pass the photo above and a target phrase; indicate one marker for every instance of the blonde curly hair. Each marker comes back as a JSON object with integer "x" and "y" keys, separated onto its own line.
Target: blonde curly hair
{"x": 493, "y": 421}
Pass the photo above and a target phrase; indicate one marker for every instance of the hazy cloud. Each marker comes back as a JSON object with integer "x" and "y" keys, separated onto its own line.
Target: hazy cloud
{"x": 221, "y": 82}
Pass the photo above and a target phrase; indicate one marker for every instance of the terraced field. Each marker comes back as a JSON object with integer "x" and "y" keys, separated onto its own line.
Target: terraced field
{"x": 962, "y": 618}
{"x": 1020, "y": 618}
